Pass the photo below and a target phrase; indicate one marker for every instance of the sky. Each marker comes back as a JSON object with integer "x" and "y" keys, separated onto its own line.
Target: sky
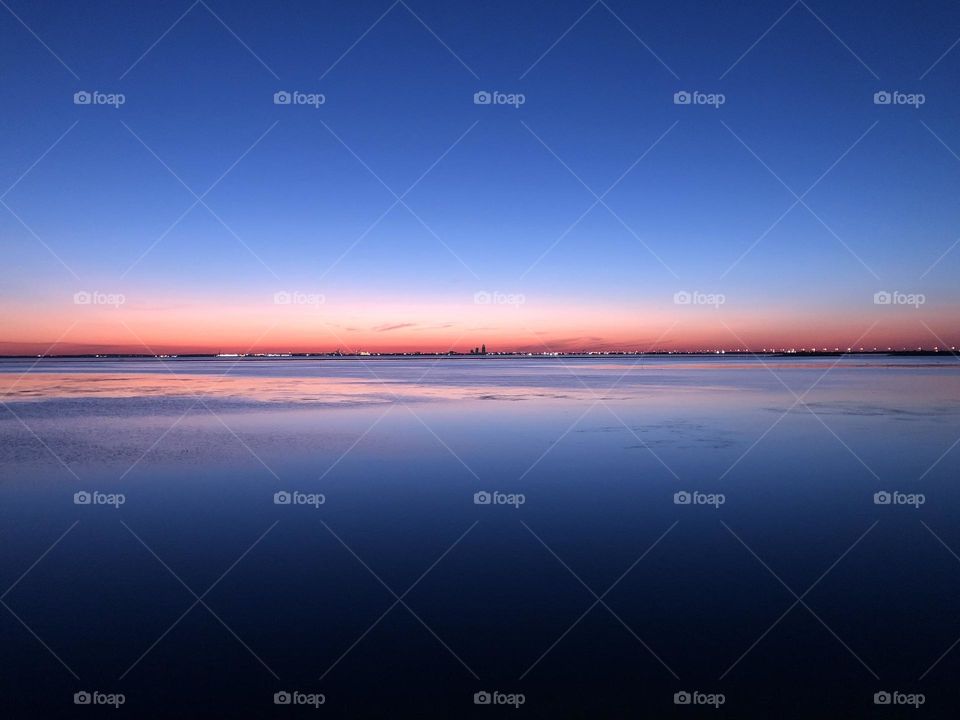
{"x": 586, "y": 207}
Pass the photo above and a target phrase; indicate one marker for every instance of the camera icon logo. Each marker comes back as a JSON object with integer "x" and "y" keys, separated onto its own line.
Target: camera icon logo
{"x": 82, "y": 97}
{"x": 82, "y": 498}
{"x": 882, "y": 98}
{"x": 882, "y": 698}
{"x": 282, "y": 97}
{"x": 682, "y": 498}
{"x": 882, "y": 298}
{"x": 682, "y": 298}
{"x": 482, "y": 98}
{"x": 282, "y": 298}
{"x": 282, "y": 698}
{"x": 82, "y": 698}
{"x": 82, "y": 298}
{"x": 682, "y": 98}
{"x": 682, "y": 698}
{"x": 282, "y": 498}
{"x": 882, "y": 498}
{"x": 482, "y": 498}
{"x": 482, "y": 698}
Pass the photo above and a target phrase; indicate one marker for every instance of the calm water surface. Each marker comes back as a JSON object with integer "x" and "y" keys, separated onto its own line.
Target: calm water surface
{"x": 600, "y": 595}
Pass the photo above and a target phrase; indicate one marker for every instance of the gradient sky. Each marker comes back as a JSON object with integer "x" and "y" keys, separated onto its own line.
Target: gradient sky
{"x": 499, "y": 206}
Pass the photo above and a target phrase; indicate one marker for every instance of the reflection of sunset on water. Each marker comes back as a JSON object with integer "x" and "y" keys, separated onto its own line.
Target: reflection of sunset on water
{"x": 262, "y": 389}
{"x": 664, "y": 382}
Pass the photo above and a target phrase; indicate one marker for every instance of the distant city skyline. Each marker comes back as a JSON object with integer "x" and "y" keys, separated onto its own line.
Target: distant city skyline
{"x": 425, "y": 176}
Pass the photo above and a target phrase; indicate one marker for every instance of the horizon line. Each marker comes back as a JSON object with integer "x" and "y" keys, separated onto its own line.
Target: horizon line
{"x": 917, "y": 351}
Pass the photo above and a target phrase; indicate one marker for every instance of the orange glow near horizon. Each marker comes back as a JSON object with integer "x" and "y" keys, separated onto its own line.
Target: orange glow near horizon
{"x": 353, "y": 327}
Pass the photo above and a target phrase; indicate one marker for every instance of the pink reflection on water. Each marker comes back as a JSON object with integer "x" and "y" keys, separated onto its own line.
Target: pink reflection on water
{"x": 308, "y": 390}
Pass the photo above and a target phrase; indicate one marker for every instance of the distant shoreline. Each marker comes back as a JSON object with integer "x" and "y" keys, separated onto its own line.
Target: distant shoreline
{"x": 490, "y": 355}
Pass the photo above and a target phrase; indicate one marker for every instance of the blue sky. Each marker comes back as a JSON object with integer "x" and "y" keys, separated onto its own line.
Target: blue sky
{"x": 398, "y": 79}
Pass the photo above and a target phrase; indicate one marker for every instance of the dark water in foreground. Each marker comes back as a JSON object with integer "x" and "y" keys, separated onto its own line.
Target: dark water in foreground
{"x": 782, "y": 585}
